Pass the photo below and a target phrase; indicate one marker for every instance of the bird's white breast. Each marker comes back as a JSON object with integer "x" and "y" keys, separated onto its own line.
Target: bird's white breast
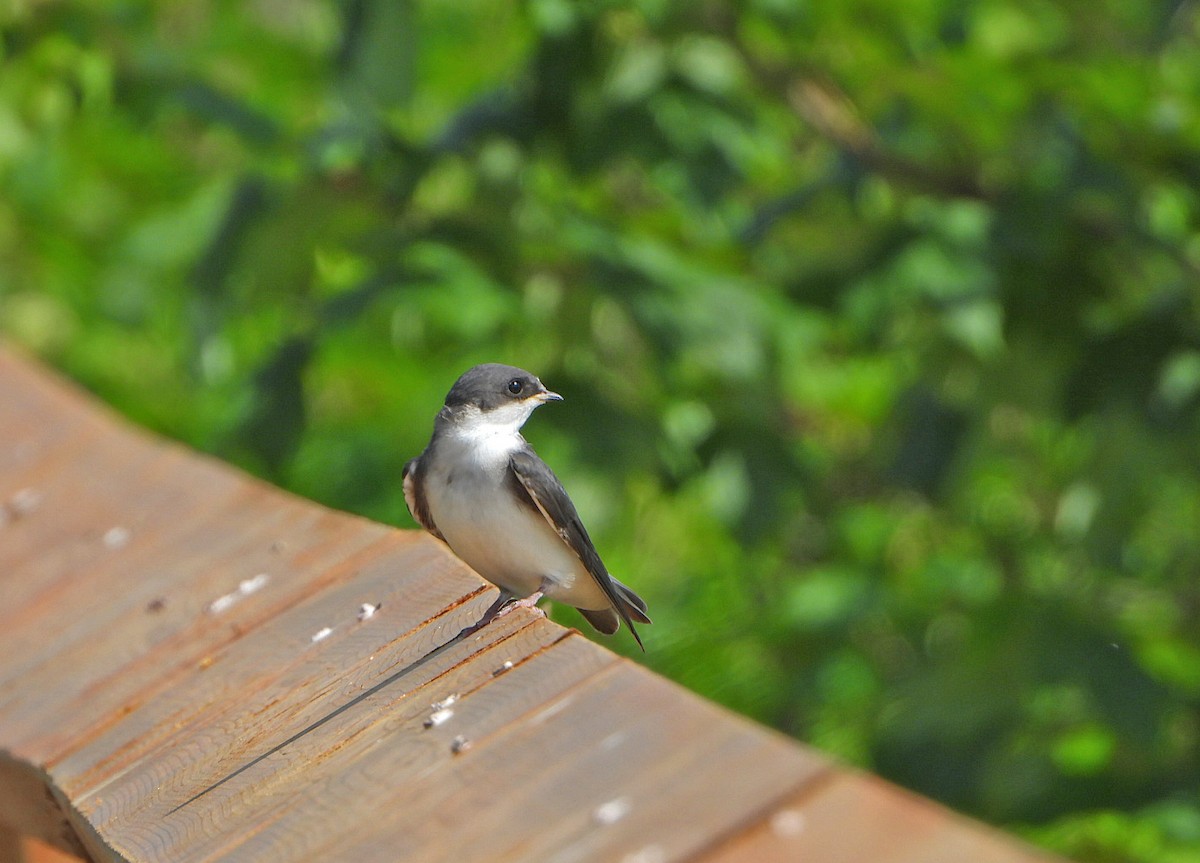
{"x": 508, "y": 543}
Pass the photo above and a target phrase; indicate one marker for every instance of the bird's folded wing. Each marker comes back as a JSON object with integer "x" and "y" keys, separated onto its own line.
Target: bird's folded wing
{"x": 533, "y": 480}
{"x": 414, "y": 496}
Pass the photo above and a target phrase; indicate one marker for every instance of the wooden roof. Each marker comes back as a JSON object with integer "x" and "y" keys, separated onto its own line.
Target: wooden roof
{"x": 187, "y": 673}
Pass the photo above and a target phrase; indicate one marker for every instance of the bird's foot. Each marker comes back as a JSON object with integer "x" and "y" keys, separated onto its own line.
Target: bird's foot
{"x": 529, "y": 602}
{"x": 502, "y": 606}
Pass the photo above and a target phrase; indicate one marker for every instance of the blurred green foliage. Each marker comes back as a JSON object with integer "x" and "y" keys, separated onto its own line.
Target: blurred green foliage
{"x": 877, "y": 324}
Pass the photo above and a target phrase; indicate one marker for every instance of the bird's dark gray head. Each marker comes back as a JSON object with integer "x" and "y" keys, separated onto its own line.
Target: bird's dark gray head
{"x": 496, "y": 387}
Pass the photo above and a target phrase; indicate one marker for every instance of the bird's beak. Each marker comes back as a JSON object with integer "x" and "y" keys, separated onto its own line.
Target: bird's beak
{"x": 548, "y": 396}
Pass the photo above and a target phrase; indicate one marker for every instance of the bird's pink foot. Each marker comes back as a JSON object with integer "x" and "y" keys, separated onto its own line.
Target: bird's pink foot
{"x": 529, "y": 602}
{"x": 503, "y": 605}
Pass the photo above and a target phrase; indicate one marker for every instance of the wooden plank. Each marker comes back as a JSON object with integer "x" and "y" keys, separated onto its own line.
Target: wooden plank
{"x": 374, "y": 760}
{"x": 851, "y": 817}
{"x": 258, "y": 691}
{"x": 624, "y": 766}
{"x": 39, "y": 414}
{"x": 184, "y": 677}
{"x": 61, "y": 507}
{"x": 230, "y": 673}
{"x": 113, "y": 623}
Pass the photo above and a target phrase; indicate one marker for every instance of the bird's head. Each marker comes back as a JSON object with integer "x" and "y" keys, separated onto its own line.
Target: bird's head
{"x": 494, "y": 398}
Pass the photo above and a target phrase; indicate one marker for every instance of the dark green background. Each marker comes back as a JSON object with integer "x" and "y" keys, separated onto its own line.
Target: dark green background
{"x": 877, "y": 324}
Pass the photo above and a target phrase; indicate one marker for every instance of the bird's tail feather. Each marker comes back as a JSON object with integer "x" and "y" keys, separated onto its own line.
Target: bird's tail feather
{"x": 635, "y": 606}
{"x": 608, "y": 620}
{"x": 605, "y": 619}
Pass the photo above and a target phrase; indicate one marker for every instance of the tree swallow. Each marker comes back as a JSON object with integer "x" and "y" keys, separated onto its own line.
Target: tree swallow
{"x": 480, "y": 488}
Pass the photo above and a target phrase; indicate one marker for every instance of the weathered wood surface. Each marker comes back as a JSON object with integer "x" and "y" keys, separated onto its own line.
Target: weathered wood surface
{"x": 163, "y": 696}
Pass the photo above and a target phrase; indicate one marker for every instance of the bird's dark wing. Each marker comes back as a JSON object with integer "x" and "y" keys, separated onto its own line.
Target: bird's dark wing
{"x": 534, "y": 483}
{"x": 414, "y": 496}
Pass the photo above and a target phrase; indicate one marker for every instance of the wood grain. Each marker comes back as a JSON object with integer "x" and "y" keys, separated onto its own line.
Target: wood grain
{"x": 889, "y": 826}
{"x": 185, "y": 675}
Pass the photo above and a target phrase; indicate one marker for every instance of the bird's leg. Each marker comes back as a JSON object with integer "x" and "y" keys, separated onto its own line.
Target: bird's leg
{"x": 504, "y": 603}
{"x": 493, "y": 611}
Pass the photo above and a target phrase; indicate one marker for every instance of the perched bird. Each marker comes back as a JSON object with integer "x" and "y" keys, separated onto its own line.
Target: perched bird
{"x": 481, "y": 489}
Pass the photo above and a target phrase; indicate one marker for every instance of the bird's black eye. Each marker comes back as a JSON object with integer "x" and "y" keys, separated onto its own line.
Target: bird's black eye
{"x": 515, "y": 386}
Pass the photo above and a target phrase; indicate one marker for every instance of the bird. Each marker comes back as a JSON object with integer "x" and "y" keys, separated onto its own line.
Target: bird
{"x": 480, "y": 488}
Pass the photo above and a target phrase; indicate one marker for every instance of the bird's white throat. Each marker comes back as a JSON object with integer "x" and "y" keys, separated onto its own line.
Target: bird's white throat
{"x": 489, "y": 436}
